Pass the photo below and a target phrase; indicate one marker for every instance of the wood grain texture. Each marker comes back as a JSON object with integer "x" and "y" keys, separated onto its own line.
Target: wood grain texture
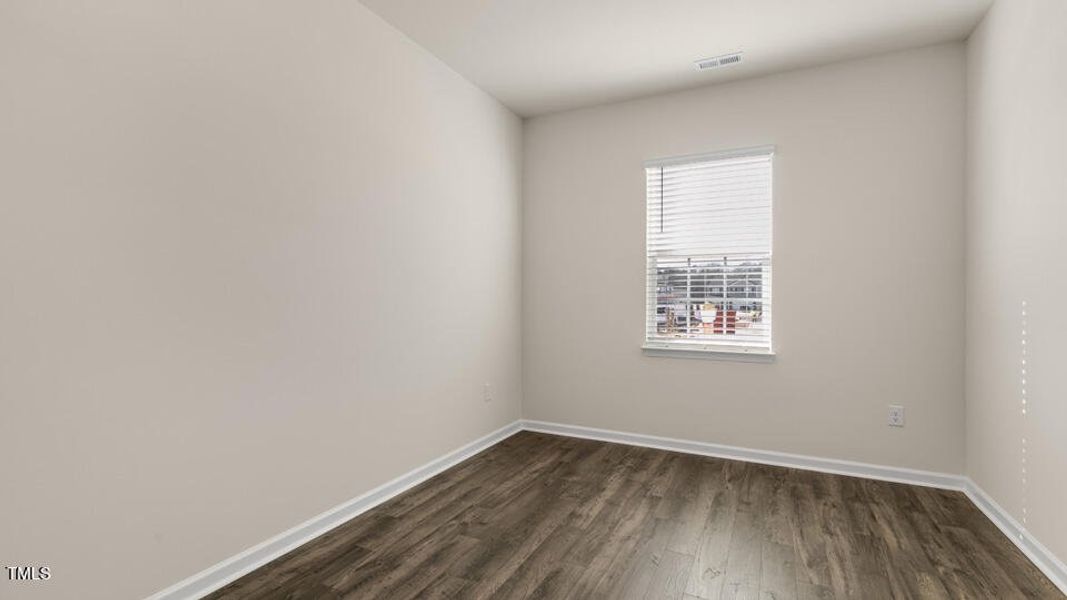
{"x": 543, "y": 516}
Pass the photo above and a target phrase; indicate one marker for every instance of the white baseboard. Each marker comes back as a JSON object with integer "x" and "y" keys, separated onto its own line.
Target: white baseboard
{"x": 1050, "y": 565}
{"x": 766, "y": 457}
{"x": 220, "y": 574}
{"x": 216, "y": 576}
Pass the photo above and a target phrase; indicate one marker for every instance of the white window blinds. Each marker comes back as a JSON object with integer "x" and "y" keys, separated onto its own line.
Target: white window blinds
{"x": 709, "y": 252}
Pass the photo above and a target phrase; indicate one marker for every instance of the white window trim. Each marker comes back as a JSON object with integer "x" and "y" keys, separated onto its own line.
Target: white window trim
{"x": 707, "y": 156}
{"x": 703, "y": 350}
{"x": 708, "y": 352}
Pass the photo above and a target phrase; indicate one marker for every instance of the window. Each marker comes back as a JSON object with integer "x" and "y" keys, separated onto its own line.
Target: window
{"x": 709, "y": 253}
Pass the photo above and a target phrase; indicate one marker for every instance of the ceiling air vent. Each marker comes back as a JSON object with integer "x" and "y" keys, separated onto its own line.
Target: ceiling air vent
{"x": 718, "y": 61}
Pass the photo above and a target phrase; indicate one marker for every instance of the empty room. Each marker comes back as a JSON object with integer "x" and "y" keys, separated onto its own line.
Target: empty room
{"x": 558, "y": 299}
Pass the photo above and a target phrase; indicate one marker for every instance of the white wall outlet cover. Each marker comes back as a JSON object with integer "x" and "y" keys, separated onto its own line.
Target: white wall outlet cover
{"x": 896, "y": 415}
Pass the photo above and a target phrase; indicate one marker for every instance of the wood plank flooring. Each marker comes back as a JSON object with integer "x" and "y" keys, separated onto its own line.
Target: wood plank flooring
{"x": 542, "y": 516}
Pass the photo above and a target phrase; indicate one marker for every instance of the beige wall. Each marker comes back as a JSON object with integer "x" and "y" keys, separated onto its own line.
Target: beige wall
{"x": 1016, "y": 210}
{"x": 868, "y": 264}
{"x": 257, "y": 258}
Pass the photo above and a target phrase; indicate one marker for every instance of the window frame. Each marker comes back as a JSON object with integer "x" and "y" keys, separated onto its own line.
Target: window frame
{"x": 694, "y": 348}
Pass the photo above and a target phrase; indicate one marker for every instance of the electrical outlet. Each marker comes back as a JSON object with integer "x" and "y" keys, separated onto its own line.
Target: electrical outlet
{"x": 487, "y": 393}
{"x": 896, "y": 415}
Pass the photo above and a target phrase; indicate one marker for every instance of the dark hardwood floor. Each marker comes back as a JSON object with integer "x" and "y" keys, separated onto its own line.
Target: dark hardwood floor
{"x": 541, "y": 516}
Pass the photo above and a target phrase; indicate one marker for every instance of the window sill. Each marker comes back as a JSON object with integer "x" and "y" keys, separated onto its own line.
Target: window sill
{"x": 726, "y": 354}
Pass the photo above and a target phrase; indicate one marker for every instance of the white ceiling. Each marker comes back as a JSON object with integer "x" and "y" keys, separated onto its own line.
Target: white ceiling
{"x": 539, "y": 56}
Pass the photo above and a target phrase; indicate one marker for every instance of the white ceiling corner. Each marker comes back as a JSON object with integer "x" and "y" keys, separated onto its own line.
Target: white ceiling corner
{"x": 540, "y": 56}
